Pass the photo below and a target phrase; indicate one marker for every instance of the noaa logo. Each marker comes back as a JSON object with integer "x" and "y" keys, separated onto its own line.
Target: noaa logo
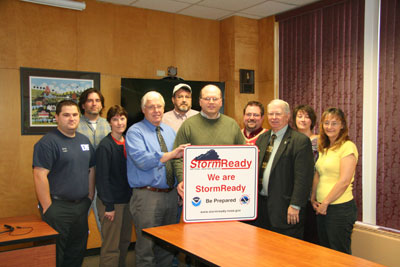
{"x": 196, "y": 201}
{"x": 244, "y": 199}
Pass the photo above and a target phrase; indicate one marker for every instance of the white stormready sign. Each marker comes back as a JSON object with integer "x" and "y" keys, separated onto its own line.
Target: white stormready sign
{"x": 220, "y": 183}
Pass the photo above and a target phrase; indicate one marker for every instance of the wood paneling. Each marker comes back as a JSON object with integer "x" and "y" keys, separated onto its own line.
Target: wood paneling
{"x": 8, "y": 35}
{"x": 246, "y": 54}
{"x": 247, "y": 44}
{"x": 16, "y": 183}
{"x": 192, "y": 57}
{"x": 96, "y": 38}
{"x": 117, "y": 41}
{"x": 267, "y": 83}
{"x": 46, "y": 36}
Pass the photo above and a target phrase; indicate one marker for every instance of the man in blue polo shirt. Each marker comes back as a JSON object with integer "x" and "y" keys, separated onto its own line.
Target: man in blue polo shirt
{"x": 63, "y": 173}
{"x": 154, "y": 198}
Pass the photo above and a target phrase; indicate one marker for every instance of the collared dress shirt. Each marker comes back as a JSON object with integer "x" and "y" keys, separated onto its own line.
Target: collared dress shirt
{"x": 144, "y": 154}
{"x": 267, "y": 171}
{"x": 279, "y": 136}
{"x": 175, "y": 119}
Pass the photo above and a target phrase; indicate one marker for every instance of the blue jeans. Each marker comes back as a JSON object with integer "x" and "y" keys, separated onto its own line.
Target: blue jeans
{"x": 335, "y": 228}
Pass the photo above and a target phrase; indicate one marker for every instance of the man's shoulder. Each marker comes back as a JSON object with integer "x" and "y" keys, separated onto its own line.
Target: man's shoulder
{"x": 83, "y": 121}
{"x": 102, "y": 120}
{"x": 226, "y": 119}
{"x": 297, "y": 135}
{"x": 56, "y": 138}
{"x": 169, "y": 117}
{"x": 263, "y": 136}
{"x": 191, "y": 113}
{"x": 48, "y": 137}
{"x": 137, "y": 125}
{"x": 141, "y": 128}
{"x": 81, "y": 137}
{"x": 166, "y": 127}
{"x": 194, "y": 118}
{"x": 169, "y": 113}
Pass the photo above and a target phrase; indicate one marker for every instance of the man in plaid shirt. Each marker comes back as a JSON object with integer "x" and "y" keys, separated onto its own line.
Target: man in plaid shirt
{"x": 92, "y": 125}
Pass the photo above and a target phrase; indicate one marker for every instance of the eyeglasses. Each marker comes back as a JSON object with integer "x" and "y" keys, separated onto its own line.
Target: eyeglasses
{"x": 208, "y": 99}
{"x": 277, "y": 114}
{"x": 183, "y": 96}
{"x": 154, "y": 107}
{"x": 331, "y": 123}
{"x": 255, "y": 115}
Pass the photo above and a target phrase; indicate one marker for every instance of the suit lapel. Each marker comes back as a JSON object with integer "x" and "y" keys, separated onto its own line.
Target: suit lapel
{"x": 263, "y": 147}
{"x": 282, "y": 147}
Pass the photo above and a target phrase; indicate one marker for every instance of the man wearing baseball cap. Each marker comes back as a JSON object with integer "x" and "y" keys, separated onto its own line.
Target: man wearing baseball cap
{"x": 182, "y": 100}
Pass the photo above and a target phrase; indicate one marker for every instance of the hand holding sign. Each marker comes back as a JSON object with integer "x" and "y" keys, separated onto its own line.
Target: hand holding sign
{"x": 220, "y": 183}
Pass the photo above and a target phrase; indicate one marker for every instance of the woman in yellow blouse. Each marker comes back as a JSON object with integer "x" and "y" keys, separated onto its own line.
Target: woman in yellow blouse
{"x": 332, "y": 196}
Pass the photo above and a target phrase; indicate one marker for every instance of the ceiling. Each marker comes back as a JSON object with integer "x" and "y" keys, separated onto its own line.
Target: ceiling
{"x": 217, "y": 9}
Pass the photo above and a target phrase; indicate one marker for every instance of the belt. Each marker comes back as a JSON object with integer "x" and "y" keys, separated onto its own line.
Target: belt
{"x": 55, "y": 197}
{"x": 162, "y": 190}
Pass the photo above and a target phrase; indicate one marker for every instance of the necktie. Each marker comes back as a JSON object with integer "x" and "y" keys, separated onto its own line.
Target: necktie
{"x": 168, "y": 164}
{"x": 267, "y": 155}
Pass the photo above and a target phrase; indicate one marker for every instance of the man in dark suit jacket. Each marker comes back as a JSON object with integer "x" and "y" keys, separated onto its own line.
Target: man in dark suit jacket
{"x": 286, "y": 178}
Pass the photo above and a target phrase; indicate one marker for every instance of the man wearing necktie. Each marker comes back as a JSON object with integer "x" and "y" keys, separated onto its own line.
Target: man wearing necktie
{"x": 286, "y": 168}
{"x": 149, "y": 146}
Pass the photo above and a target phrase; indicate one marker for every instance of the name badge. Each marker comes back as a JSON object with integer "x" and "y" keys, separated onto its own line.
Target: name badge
{"x": 85, "y": 147}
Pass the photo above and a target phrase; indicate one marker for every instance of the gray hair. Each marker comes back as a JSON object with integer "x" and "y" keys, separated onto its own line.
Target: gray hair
{"x": 151, "y": 94}
{"x": 280, "y": 102}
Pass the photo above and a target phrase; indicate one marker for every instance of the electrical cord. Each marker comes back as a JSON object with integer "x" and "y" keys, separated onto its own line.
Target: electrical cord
{"x": 10, "y": 230}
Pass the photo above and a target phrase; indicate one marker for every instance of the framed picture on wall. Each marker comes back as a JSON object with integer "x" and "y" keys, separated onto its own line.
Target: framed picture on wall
{"x": 42, "y": 89}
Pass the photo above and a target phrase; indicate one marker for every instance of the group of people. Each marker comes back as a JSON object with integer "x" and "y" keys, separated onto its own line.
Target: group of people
{"x": 323, "y": 213}
{"x": 331, "y": 210}
{"x": 138, "y": 176}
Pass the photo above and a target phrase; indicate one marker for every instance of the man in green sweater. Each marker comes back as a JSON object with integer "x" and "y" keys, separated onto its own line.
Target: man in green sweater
{"x": 209, "y": 127}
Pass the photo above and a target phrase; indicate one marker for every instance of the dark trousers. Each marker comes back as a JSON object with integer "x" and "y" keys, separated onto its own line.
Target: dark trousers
{"x": 70, "y": 220}
{"x": 310, "y": 225}
{"x": 335, "y": 228}
{"x": 263, "y": 221}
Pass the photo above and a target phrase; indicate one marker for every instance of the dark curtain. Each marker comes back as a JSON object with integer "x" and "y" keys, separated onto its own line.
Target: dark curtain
{"x": 321, "y": 64}
{"x": 388, "y": 163}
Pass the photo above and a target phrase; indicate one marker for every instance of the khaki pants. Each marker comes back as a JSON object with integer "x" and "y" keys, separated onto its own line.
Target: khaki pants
{"x": 116, "y": 235}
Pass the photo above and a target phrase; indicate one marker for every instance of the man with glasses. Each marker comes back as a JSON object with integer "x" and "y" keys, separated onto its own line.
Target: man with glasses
{"x": 253, "y": 118}
{"x": 286, "y": 169}
{"x": 154, "y": 200}
{"x": 182, "y": 100}
{"x": 209, "y": 127}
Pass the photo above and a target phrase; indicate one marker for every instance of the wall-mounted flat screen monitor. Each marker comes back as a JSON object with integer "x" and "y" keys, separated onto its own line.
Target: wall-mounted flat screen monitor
{"x": 132, "y": 91}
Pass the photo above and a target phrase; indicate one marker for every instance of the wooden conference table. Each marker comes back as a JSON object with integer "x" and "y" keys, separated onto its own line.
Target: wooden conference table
{"x": 239, "y": 244}
{"x": 31, "y": 243}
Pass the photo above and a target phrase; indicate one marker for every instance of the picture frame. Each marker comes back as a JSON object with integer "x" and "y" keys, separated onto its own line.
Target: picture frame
{"x": 246, "y": 80}
{"x": 42, "y": 89}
